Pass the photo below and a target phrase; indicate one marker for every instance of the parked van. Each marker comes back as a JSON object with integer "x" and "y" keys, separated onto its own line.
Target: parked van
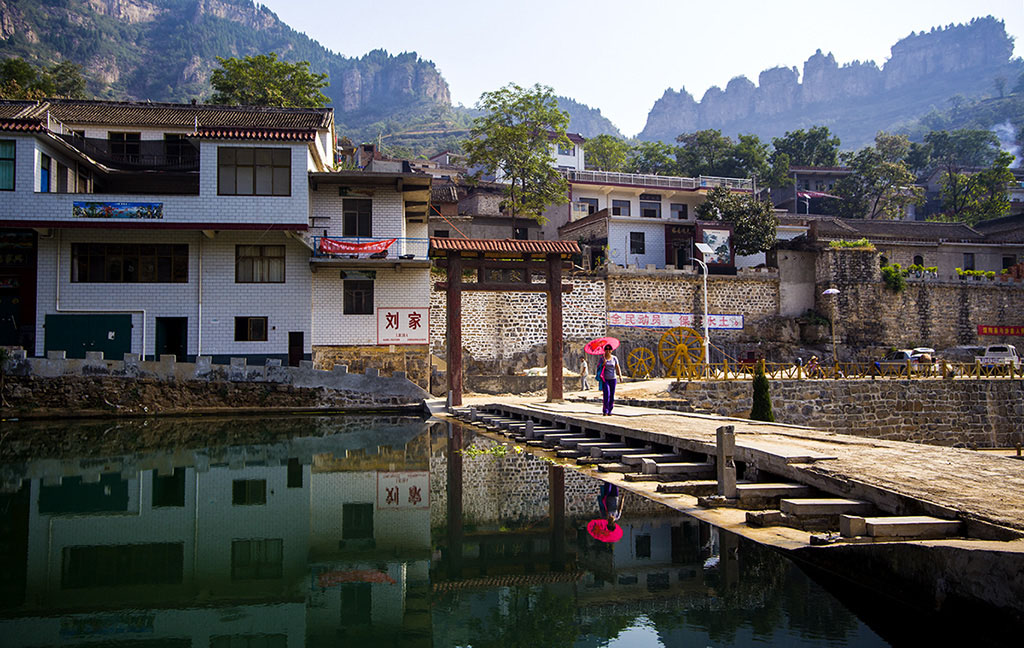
{"x": 1000, "y": 354}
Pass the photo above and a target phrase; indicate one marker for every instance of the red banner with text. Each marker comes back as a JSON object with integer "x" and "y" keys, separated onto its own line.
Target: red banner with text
{"x": 986, "y": 329}
{"x": 333, "y": 246}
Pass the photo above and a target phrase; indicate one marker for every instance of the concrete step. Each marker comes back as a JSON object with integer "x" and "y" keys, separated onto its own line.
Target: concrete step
{"x": 569, "y": 453}
{"x": 767, "y": 490}
{"x": 691, "y": 469}
{"x": 572, "y": 442}
{"x": 551, "y": 439}
{"x": 821, "y": 506}
{"x": 637, "y": 459}
{"x": 693, "y": 487}
{"x": 907, "y": 526}
{"x": 615, "y": 453}
{"x": 590, "y": 445}
{"x": 616, "y": 467}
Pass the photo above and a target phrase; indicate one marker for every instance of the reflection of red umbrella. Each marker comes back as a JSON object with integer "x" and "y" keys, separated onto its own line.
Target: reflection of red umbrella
{"x": 599, "y": 530}
{"x": 596, "y": 347}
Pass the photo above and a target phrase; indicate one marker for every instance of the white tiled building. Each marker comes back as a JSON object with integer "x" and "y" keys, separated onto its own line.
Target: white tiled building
{"x": 189, "y": 230}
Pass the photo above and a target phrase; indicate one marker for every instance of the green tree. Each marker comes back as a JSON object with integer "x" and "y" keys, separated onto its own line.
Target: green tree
{"x": 956, "y": 153}
{"x": 762, "y": 406}
{"x": 512, "y": 140}
{"x": 754, "y": 222}
{"x": 606, "y": 153}
{"x": 974, "y": 197}
{"x": 655, "y": 158}
{"x": 20, "y": 80}
{"x": 881, "y": 186}
{"x": 814, "y": 147}
{"x": 68, "y": 80}
{"x": 263, "y": 80}
{"x": 706, "y": 152}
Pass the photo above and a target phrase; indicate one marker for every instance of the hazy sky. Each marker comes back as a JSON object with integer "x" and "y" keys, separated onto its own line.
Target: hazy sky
{"x": 621, "y": 56}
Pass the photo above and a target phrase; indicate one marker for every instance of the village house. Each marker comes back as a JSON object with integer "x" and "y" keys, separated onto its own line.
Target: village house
{"x": 188, "y": 230}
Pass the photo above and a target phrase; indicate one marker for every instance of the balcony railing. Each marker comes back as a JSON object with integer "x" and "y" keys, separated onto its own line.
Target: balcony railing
{"x": 657, "y": 181}
{"x": 403, "y": 248}
{"x": 146, "y": 155}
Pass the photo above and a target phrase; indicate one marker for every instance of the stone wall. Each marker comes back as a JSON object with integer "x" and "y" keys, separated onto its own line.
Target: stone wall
{"x": 961, "y": 412}
{"x": 414, "y": 360}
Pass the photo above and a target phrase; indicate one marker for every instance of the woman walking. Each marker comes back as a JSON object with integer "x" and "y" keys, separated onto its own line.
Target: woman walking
{"x": 609, "y": 376}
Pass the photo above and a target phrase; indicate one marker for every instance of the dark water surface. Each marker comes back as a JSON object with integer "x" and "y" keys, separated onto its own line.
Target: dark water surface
{"x": 299, "y": 531}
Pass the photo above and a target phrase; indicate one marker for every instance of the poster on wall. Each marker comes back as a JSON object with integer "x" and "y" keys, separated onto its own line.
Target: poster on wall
{"x": 403, "y": 325}
{"x": 132, "y": 210}
{"x": 626, "y": 319}
{"x": 403, "y": 490}
{"x": 718, "y": 236}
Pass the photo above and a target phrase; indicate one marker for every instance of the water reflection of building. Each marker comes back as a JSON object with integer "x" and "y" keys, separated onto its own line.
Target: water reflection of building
{"x": 263, "y": 545}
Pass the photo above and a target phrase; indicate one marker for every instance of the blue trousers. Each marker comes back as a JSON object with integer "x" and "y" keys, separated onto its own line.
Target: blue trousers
{"x": 608, "y": 392}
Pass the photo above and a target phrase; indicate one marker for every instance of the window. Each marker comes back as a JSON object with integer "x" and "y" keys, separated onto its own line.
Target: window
{"x": 1009, "y": 261}
{"x": 44, "y": 172}
{"x": 125, "y": 146}
{"x": 84, "y": 181}
{"x": 642, "y": 546}
{"x": 356, "y": 521}
{"x": 177, "y": 149}
{"x": 521, "y": 234}
{"x": 620, "y": 208}
{"x": 636, "y": 243}
{"x": 356, "y": 216}
{"x": 256, "y": 559}
{"x": 250, "y": 329}
{"x": 650, "y": 209}
{"x": 680, "y": 211}
{"x": 441, "y": 233}
{"x": 6, "y": 165}
{"x": 62, "y": 178}
{"x": 122, "y": 565}
{"x": 254, "y": 171}
{"x": 294, "y": 473}
{"x": 968, "y": 260}
{"x": 249, "y": 492}
{"x": 358, "y": 297}
{"x": 918, "y": 260}
{"x": 591, "y": 204}
{"x": 129, "y": 263}
{"x": 259, "y": 264}
{"x": 169, "y": 490}
{"x": 356, "y": 604}
{"x": 567, "y": 149}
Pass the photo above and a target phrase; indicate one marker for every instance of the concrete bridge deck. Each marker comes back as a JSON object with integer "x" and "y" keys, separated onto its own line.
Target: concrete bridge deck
{"x": 983, "y": 490}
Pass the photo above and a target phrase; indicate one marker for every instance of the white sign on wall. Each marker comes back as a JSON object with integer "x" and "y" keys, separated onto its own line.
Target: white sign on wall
{"x": 403, "y": 325}
{"x": 671, "y": 320}
{"x": 403, "y": 490}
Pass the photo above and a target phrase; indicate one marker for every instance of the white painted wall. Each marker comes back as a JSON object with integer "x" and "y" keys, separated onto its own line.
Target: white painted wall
{"x": 654, "y": 242}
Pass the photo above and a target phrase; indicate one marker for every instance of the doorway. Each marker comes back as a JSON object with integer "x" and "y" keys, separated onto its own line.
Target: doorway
{"x": 172, "y": 337}
{"x": 296, "y": 348}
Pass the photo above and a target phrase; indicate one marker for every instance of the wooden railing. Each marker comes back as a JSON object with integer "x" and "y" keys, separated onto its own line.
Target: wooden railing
{"x": 862, "y": 370}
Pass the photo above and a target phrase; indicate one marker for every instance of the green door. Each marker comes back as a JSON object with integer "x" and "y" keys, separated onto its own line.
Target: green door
{"x": 76, "y": 334}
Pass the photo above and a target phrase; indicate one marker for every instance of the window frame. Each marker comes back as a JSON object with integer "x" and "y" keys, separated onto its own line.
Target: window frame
{"x": 248, "y": 492}
{"x": 593, "y": 205}
{"x": 637, "y": 245}
{"x": 617, "y": 207}
{"x": 91, "y": 260}
{"x": 45, "y": 172}
{"x": 685, "y": 211}
{"x": 357, "y": 300}
{"x": 124, "y": 144}
{"x": 259, "y": 567}
{"x": 353, "y": 208}
{"x": 969, "y": 261}
{"x": 261, "y": 262}
{"x": 249, "y": 329}
{"x": 254, "y": 175}
{"x": 13, "y": 159}
{"x": 650, "y": 204}
{"x": 569, "y": 150}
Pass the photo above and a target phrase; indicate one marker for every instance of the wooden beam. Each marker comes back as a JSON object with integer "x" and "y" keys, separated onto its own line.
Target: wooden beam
{"x": 503, "y": 287}
{"x": 454, "y": 337}
{"x": 555, "y": 346}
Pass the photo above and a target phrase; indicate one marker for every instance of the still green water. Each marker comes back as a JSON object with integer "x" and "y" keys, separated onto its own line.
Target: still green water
{"x": 301, "y": 531}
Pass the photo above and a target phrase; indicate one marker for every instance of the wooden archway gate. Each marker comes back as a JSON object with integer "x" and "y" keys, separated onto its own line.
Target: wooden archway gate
{"x": 503, "y": 265}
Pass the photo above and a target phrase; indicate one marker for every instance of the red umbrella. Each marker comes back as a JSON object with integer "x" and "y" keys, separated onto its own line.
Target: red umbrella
{"x": 596, "y": 347}
{"x": 599, "y": 530}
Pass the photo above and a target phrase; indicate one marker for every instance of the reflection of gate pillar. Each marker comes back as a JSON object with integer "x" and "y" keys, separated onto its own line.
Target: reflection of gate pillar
{"x": 503, "y": 266}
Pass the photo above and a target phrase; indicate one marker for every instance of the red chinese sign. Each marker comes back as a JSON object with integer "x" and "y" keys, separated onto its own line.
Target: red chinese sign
{"x": 985, "y": 329}
{"x": 333, "y": 578}
{"x": 334, "y": 246}
{"x": 403, "y": 325}
{"x": 403, "y": 490}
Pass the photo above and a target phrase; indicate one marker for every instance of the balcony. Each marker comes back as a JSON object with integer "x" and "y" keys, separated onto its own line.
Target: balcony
{"x": 657, "y": 181}
{"x": 178, "y": 156}
{"x": 369, "y": 250}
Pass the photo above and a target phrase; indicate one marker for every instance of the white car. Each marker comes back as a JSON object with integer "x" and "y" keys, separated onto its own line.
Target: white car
{"x": 1000, "y": 354}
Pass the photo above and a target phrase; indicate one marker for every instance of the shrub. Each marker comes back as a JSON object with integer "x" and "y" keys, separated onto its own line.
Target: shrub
{"x": 860, "y": 244}
{"x": 893, "y": 277}
{"x": 762, "y": 406}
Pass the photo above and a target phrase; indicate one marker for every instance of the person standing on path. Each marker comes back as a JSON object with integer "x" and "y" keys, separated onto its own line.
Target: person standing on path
{"x": 609, "y": 502}
{"x": 584, "y": 373}
{"x": 609, "y": 376}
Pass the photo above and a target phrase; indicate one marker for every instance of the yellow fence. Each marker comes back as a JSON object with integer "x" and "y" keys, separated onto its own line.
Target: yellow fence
{"x": 861, "y": 370}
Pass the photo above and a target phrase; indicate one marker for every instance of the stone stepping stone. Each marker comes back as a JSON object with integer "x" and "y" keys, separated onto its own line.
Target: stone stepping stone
{"x": 693, "y": 487}
{"x": 616, "y": 453}
{"x": 768, "y": 490}
{"x": 572, "y": 442}
{"x": 568, "y": 453}
{"x": 638, "y": 459}
{"x": 615, "y": 467}
{"x": 690, "y": 469}
{"x": 810, "y": 506}
{"x": 907, "y": 526}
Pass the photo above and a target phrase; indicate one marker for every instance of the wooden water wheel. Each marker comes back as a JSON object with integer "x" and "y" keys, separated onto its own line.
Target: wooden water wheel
{"x": 681, "y": 350}
{"x": 640, "y": 362}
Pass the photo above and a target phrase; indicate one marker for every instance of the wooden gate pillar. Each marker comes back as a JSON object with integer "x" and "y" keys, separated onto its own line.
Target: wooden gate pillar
{"x": 555, "y": 346}
{"x": 454, "y": 338}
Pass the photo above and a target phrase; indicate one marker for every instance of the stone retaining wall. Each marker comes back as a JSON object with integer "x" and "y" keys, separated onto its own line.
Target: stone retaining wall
{"x": 966, "y": 413}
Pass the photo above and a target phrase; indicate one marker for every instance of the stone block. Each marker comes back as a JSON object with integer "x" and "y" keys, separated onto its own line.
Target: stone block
{"x": 56, "y": 355}
{"x": 94, "y": 356}
{"x": 851, "y": 526}
{"x": 825, "y": 506}
{"x": 341, "y": 370}
{"x": 273, "y": 362}
{"x": 911, "y": 526}
{"x": 306, "y": 365}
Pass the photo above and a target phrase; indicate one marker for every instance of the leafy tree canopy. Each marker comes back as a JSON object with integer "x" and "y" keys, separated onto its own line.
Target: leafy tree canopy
{"x": 655, "y": 158}
{"x": 606, "y": 153}
{"x": 512, "y": 140}
{"x": 881, "y": 186}
{"x": 814, "y": 147}
{"x": 263, "y": 80}
{"x": 753, "y": 220}
{"x": 974, "y": 197}
{"x": 20, "y": 80}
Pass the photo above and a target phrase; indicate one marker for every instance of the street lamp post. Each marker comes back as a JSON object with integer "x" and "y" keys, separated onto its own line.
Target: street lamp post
{"x": 835, "y": 315}
{"x": 705, "y": 250}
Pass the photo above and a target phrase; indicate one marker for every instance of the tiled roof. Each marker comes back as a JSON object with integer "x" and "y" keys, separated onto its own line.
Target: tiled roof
{"x": 513, "y": 246}
{"x": 280, "y": 134}
{"x": 895, "y": 230}
{"x": 23, "y": 125}
{"x": 444, "y": 193}
{"x": 1008, "y": 229}
{"x": 128, "y": 113}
